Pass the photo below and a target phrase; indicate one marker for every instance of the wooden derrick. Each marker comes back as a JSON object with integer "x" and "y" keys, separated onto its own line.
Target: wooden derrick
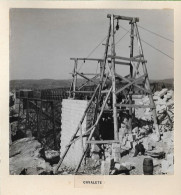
{"x": 103, "y": 92}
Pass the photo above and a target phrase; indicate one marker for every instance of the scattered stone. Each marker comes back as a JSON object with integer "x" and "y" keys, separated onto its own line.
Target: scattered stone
{"x": 105, "y": 167}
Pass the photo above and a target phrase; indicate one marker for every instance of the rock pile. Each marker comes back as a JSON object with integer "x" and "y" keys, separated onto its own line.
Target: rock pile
{"x": 143, "y": 139}
{"x": 27, "y": 158}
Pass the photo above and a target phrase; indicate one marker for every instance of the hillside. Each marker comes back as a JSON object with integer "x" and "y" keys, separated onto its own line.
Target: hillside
{"x": 52, "y": 83}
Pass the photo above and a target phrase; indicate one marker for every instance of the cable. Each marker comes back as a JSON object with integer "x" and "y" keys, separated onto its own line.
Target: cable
{"x": 156, "y": 34}
{"x": 121, "y": 38}
{"x": 151, "y": 45}
{"x": 157, "y": 49}
{"x": 92, "y": 52}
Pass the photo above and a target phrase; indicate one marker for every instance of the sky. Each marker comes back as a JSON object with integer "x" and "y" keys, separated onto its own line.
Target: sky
{"x": 42, "y": 41}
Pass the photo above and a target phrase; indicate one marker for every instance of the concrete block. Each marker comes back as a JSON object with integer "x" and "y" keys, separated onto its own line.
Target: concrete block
{"x": 72, "y": 112}
{"x": 124, "y": 140}
{"x": 116, "y": 156}
{"x": 170, "y": 170}
{"x": 129, "y": 144}
{"x": 130, "y": 137}
{"x": 164, "y": 166}
{"x": 105, "y": 167}
{"x": 95, "y": 148}
{"x": 95, "y": 156}
{"x": 147, "y": 144}
{"x": 162, "y": 92}
{"x": 117, "y": 166}
{"x": 170, "y": 159}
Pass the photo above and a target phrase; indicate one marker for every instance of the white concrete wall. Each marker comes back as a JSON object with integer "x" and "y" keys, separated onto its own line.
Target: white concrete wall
{"x": 72, "y": 112}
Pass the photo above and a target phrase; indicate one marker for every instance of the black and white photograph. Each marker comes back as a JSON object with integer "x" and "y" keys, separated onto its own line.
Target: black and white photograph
{"x": 91, "y": 91}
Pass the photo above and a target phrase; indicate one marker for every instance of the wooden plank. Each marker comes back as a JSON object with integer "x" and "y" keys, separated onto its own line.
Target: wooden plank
{"x": 116, "y": 137}
{"x": 83, "y": 91}
{"x": 104, "y": 91}
{"x": 101, "y": 142}
{"x": 80, "y": 74}
{"x": 138, "y": 56}
{"x": 84, "y": 84}
{"x": 120, "y": 63}
{"x": 136, "y": 85}
{"x": 85, "y": 59}
{"x": 134, "y": 106}
{"x": 129, "y": 84}
{"x": 94, "y": 74}
{"x": 127, "y": 59}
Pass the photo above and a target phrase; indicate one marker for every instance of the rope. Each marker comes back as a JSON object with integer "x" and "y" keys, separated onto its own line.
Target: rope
{"x": 157, "y": 49}
{"x": 121, "y": 38}
{"x": 156, "y": 34}
{"x": 151, "y": 46}
{"x": 92, "y": 52}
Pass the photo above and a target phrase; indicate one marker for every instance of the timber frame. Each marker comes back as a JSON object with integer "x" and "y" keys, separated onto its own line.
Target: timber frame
{"x": 108, "y": 72}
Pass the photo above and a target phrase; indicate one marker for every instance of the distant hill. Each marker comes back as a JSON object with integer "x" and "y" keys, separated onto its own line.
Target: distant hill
{"x": 42, "y": 83}
{"x": 166, "y": 81}
{"x": 52, "y": 83}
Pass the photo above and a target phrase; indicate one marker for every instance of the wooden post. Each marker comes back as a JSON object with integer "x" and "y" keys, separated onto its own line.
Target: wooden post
{"x": 27, "y": 114}
{"x": 131, "y": 73}
{"x": 116, "y": 137}
{"x": 40, "y": 119}
{"x": 37, "y": 120}
{"x": 147, "y": 85}
{"x": 75, "y": 77}
{"x": 54, "y": 129}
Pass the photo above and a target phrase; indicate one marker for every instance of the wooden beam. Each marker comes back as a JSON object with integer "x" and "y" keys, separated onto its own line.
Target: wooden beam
{"x": 116, "y": 137}
{"x": 138, "y": 56}
{"x": 84, "y": 84}
{"x": 83, "y": 91}
{"x": 135, "y": 19}
{"x": 94, "y": 74}
{"x": 127, "y": 59}
{"x": 131, "y": 83}
{"x": 120, "y": 63}
{"x": 135, "y": 106}
{"x": 90, "y": 59}
{"x": 136, "y": 85}
{"x": 80, "y": 74}
{"x": 101, "y": 142}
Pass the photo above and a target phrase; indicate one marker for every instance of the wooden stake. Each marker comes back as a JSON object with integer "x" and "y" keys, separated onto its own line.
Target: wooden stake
{"x": 75, "y": 77}
{"x": 116, "y": 137}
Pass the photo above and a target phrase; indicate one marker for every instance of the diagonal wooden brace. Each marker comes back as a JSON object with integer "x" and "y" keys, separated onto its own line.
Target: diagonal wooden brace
{"x": 131, "y": 83}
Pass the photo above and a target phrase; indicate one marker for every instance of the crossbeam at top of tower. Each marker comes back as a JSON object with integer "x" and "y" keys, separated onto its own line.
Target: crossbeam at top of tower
{"x": 117, "y": 17}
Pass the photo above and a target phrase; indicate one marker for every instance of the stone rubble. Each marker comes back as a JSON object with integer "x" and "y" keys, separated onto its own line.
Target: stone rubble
{"x": 161, "y": 151}
{"x": 111, "y": 159}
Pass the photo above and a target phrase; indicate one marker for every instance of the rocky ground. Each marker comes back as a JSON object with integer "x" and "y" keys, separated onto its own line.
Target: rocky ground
{"x": 28, "y": 157}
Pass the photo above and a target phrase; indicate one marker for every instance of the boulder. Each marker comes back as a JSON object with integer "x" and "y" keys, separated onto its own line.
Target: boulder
{"x": 105, "y": 167}
{"x": 25, "y": 157}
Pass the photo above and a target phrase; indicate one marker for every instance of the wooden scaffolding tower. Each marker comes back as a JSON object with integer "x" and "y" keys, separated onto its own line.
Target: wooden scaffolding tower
{"x": 108, "y": 72}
